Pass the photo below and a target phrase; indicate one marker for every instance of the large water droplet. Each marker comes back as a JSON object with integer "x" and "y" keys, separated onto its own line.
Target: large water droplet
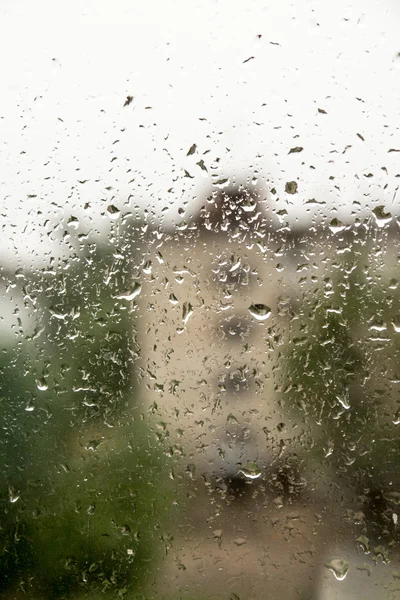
{"x": 339, "y": 567}
{"x": 260, "y": 311}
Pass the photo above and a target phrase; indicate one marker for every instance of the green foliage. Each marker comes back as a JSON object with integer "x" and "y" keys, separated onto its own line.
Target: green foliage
{"x": 338, "y": 366}
{"x": 84, "y": 487}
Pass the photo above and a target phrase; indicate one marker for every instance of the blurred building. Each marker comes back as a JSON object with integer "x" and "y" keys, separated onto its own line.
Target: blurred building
{"x": 217, "y": 307}
{"x": 265, "y": 355}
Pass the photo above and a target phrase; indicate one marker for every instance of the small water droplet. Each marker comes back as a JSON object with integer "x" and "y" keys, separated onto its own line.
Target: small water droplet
{"x": 336, "y": 226}
{"x": 41, "y": 384}
{"x": 377, "y": 325}
{"x": 250, "y": 471}
{"x": 232, "y": 419}
{"x": 396, "y": 324}
{"x": 381, "y": 217}
{"x": 364, "y": 543}
{"x": 187, "y": 311}
{"x": 235, "y": 264}
{"x": 147, "y": 267}
{"x": 222, "y": 183}
{"x": 130, "y": 295}
{"x": 13, "y": 496}
{"x": 344, "y": 400}
{"x": 291, "y": 187}
{"x": 113, "y": 212}
{"x": 217, "y": 533}
{"x": 339, "y": 567}
{"x": 329, "y": 449}
{"x": 261, "y": 312}
{"x": 239, "y": 541}
{"x": 73, "y": 222}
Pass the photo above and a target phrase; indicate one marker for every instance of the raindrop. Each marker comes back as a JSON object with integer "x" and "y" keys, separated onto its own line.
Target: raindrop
{"x": 291, "y": 187}
{"x": 113, "y": 212}
{"x": 382, "y": 218}
{"x": 13, "y": 496}
{"x": 377, "y": 325}
{"x": 147, "y": 267}
{"x": 41, "y": 384}
{"x": 73, "y": 222}
{"x": 202, "y": 165}
{"x": 221, "y": 183}
{"x": 232, "y": 419}
{"x": 396, "y": 324}
{"x": 344, "y": 400}
{"x": 364, "y": 543}
{"x": 296, "y": 149}
{"x": 339, "y": 567}
{"x": 250, "y": 471}
{"x": 261, "y": 312}
{"x": 239, "y": 541}
{"x": 130, "y": 295}
{"x": 235, "y": 264}
{"x": 187, "y": 311}
{"x": 336, "y": 226}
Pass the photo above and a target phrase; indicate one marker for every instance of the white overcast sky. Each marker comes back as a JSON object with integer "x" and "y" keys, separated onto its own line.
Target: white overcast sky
{"x": 67, "y": 68}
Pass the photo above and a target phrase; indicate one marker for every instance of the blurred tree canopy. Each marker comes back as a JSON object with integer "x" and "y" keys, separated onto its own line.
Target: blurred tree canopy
{"x": 84, "y": 488}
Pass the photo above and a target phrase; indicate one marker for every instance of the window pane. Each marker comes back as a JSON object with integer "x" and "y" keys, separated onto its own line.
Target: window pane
{"x": 199, "y": 301}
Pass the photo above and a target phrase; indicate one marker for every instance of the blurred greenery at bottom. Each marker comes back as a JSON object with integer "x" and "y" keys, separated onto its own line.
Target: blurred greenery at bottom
{"x": 94, "y": 523}
{"x": 85, "y": 492}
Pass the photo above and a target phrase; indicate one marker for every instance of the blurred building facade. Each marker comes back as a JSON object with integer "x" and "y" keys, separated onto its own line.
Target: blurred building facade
{"x": 215, "y": 311}
{"x": 265, "y": 352}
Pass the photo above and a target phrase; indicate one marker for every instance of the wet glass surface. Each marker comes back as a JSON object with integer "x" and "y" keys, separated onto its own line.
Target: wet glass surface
{"x": 199, "y": 301}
